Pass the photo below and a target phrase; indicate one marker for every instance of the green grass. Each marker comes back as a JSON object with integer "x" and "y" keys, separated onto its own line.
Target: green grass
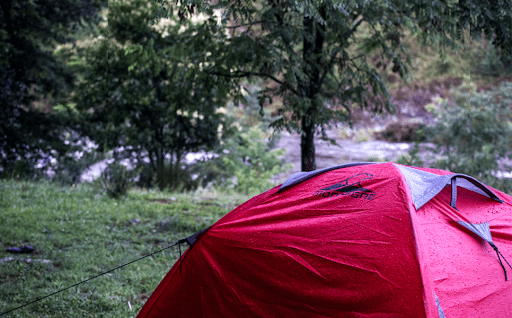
{"x": 84, "y": 234}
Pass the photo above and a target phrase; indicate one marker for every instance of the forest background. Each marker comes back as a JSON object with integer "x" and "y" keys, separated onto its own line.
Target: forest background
{"x": 140, "y": 85}
{"x": 147, "y": 83}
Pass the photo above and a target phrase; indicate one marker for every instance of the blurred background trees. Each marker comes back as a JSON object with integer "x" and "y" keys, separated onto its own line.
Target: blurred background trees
{"x": 33, "y": 80}
{"x": 145, "y": 90}
{"x": 150, "y": 82}
{"x": 473, "y": 133}
{"x": 310, "y": 55}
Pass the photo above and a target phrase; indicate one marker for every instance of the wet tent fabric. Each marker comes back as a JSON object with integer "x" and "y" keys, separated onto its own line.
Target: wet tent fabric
{"x": 349, "y": 241}
{"x": 464, "y": 270}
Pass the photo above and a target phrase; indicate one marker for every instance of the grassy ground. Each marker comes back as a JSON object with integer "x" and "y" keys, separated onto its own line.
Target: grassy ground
{"x": 83, "y": 234}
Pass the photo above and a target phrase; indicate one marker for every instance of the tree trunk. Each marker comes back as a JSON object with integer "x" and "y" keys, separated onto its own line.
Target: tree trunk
{"x": 307, "y": 145}
{"x": 313, "y": 44}
{"x": 177, "y": 170}
{"x": 160, "y": 170}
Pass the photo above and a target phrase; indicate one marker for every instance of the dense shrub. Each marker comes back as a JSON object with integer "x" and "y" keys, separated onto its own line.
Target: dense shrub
{"x": 246, "y": 165}
{"x": 116, "y": 180}
{"x": 412, "y": 158}
{"x": 247, "y": 161}
{"x": 473, "y": 132}
{"x": 253, "y": 163}
{"x": 402, "y": 132}
{"x": 178, "y": 178}
{"x": 490, "y": 62}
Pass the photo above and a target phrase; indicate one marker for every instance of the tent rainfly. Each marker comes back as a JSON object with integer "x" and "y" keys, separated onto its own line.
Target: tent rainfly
{"x": 356, "y": 240}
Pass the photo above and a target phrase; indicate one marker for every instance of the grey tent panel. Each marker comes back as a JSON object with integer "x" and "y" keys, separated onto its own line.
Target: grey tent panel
{"x": 481, "y": 229}
{"x": 466, "y": 184}
{"x": 425, "y": 185}
{"x": 439, "y": 309}
{"x": 302, "y": 176}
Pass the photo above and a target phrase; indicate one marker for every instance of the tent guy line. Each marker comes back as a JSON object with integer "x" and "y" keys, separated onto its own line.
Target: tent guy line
{"x": 497, "y": 253}
{"x": 188, "y": 240}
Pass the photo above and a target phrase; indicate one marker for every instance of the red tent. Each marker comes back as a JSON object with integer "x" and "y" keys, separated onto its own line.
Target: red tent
{"x": 358, "y": 240}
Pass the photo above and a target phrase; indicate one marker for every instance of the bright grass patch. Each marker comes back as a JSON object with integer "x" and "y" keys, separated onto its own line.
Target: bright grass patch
{"x": 83, "y": 234}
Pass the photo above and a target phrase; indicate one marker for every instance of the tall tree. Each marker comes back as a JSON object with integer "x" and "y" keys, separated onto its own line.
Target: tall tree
{"x": 29, "y": 31}
{"x": 145, "y": 89}
{"x": 315, "y": 54}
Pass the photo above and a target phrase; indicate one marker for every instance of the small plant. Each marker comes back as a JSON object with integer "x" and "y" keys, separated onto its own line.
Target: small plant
{"x": 412, "y": 158}
{"x": 402, "y": 132}
{"x": 363, "y": 135}
{"x": 253, "y": 164}
{"x": 22, "y": 170}
{"x": 489, "y": 62}
{"x": 175, "y": 177}
{"x": 116, "y": 180}
{"x": 246, "y": 161}
{"x": 344, "y": 133}
{"x": 247, "y": 164}
{"x": 376, "y": 159}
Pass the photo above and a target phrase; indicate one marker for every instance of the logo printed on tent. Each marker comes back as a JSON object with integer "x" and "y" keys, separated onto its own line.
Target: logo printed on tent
{"x": 348, "y": 186}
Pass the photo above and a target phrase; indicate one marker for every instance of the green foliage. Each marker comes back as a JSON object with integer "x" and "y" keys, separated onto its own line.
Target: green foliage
{"x": 83, "y": 234}
{"x": 490, "y": 62}
{"x": 145, "y": 88}
{"x": 483, "y": 17}
{"x": 376, "y": 159}
{"x": 116, "y": 180}
{"x": 474, "y": 131}
{"x": 27, "y": 135}
{"x": 21, "y": 170}
{"x": 403, "y": 131}
{"x": 252, "y": 163}
{"x": 175, "y": 178}
{"x": 29, "y": 32}
{"x": 412, "y": 158}
{"x": 246, "y": 160}
{"x": 309, "y": 52}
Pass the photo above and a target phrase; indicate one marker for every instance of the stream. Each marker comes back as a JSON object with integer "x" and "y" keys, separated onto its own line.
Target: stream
{"x": 347, "y": 151}
{"x": 327, "y": 155}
